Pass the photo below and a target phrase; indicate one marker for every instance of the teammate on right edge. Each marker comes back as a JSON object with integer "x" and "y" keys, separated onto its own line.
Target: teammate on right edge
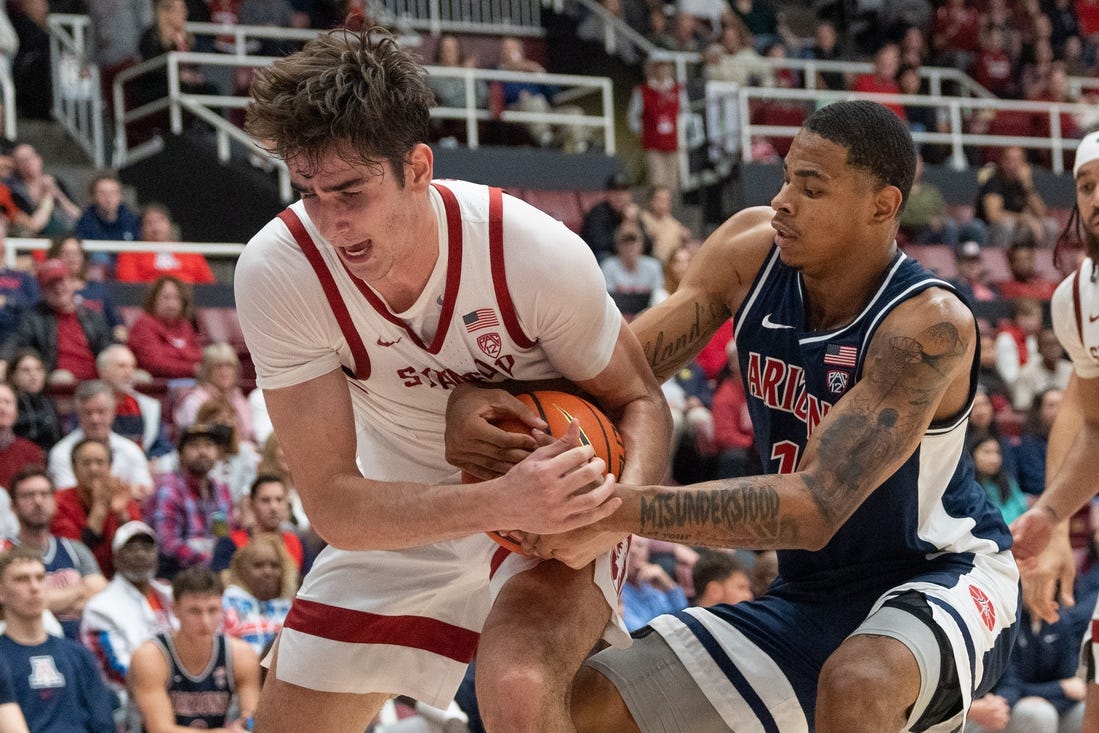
{"x": 1072, "y": 462}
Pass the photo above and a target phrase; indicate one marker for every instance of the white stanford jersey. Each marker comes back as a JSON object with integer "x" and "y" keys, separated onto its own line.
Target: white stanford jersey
{"x": 1075, "y": 315}
{"x": 488, "y": 313}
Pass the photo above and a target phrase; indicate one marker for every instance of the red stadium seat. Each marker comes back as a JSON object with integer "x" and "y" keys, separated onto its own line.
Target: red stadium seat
{"x": 219, "y": 325}
{"x": 994, "y": 262}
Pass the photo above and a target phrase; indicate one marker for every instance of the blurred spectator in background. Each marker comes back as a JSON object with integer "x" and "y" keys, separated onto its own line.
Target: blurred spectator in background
{"x": 189, "y": 511}
{"x": 883, "y": 79}
{"x": 927, "y": 220}
{"x": 955, "y": 34}
{"x": 137, "y": 416}
{"x": 972, "y": 281}
{"x": 266, "y": 509}
{"x": 734, "y": 58}
{"x": 689, "y": 397}
{"x": 107, "y": 216}
{"x": 95, "y": 413}
{"x": 649, "y": 590}
{"x": 262, "y": 582}
{"x": 143, "y": 267}
{"x": 45, "y": 200}
{"x": 1002, "y": 488}
{"x": 1026, "y": 281}
{"x": 1010, "y": 205}
{"x": 218, "y": 376}
{"x": 56, "y": 682}
{"x": 675, "y": 267}
{"x": 114, "y": 29}
{"x": 273, "y": 463}
{"x": 237, "y": 466}
{"x": 1048, "y": 369}
{"x": 826, "y": 46}
{"x": 38, "y": 420}
{"x": 98, "y": 504}
{"x": 601, "y": 220}
{"x": 531, "y": 96}
{"x": 133, "y": 607}
{"x": 31, "y": 67}
{"x": 15, "y": 452}
{"x": 1030, "y": 449}
{"x": 90, "y": 293}
{"x": 689, "y": 35}
{"x": 163, "y": 338}
{"x": 450, "y": 91}
{"x": 666, "y": 233}
{"x": 169, "y": 33}
{"x": 632, "y": 278}
{"x": 719, "y": 577}
{"x": 67, "y": 335}
{"x": 18, "y": 290}
{"x": 988, "y": 374}
{"x": 760, "y": 18}
{"x": 994, "y": 68}
{"x": 1017, "y": 339}
{"x": 72, "y": 573}
{"x": 653, "y": 114}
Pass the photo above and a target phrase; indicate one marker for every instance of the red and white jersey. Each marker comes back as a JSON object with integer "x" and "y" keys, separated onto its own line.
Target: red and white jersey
{"x": 1075, "y": 315}
{"x": 514, "y": 295}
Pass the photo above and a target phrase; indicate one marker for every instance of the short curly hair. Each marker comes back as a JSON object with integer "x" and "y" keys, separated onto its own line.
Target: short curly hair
{"x": 355, "y": 93}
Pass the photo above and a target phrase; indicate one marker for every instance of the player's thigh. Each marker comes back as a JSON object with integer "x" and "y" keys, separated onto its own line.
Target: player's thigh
{"x": 597, "y": 706}
{"x": 547, "y": 607}
{"x": 287, "y": 707}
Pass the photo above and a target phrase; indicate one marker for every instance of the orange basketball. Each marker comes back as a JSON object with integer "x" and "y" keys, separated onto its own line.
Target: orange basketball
{"x": 558, "y": 409}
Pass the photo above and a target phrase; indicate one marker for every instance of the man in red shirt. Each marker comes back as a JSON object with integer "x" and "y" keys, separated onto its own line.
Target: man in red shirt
{"x": 67, "y": 335}
{"x": 94, "y": 509}
{"x": 887, "y": 61}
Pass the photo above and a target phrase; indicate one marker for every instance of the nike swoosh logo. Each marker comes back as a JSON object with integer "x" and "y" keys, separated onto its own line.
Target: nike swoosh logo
{"x": 387, "y": 343}
{"x": 768, "y": 323}
{"x": 1092, "y": 319}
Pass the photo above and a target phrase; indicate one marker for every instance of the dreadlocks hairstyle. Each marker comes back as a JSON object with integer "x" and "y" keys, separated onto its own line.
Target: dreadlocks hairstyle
{"x": 354, "y": 93}
{"x": 876, "y": 140}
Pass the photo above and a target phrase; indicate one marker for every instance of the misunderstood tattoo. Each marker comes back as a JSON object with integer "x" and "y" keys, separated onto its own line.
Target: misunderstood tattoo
{"x": 750, "y": 513}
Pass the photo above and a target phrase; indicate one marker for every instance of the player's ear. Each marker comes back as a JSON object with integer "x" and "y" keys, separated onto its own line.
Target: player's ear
{"x": 887, "y": 204}
{"x": 420, "y": 168}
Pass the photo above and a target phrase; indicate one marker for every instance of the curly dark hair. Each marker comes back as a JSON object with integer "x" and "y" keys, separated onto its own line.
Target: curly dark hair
{"x": 355, "y": 93}
{"x": 877, "y": 141}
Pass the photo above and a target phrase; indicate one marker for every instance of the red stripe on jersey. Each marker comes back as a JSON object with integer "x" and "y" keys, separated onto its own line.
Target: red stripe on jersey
{"x": 361, "y": 627}
{"x": 331, "y": 292}
{"x": 499, "y": 277}
{"x": 498, "y": 558}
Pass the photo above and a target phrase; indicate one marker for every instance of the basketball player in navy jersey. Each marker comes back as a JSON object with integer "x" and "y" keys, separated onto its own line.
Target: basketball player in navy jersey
{"x": 1072, "y": 461}
{"x": 897, "y": 595}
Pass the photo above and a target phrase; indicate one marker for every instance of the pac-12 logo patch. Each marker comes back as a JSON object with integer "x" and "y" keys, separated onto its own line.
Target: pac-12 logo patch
{"x": 984, "y": 606}
{"x": 837, "y": 381}
{"x": 490, "y": 344}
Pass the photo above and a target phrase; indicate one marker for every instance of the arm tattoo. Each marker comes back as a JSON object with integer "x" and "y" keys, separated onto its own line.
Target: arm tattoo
{"x": 736, "y": 511}
{"x": 869, "y": 434}
{"x": 667, "y": 350}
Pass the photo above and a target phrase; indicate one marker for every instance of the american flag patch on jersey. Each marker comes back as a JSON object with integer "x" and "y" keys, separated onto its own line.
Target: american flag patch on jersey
{"x": 841, "y": 355}
{"x": 480, "y": 318}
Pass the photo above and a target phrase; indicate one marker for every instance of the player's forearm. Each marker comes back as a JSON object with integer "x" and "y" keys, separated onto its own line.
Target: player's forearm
{"x": 645, "y": 427}
{"x": 1074, "y": 479}
{"x": 757, "y": 512}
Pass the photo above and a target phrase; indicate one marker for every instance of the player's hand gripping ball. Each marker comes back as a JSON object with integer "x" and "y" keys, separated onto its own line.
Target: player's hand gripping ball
{"x": 558, "y": 409}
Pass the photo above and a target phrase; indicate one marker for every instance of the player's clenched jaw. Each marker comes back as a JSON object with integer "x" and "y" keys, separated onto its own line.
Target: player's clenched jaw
{"x": 819, "y": 204}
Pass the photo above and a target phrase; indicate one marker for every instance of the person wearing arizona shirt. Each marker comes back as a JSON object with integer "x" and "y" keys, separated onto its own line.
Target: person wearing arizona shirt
{"x": 654, "y": 115}
{"x": 142, "y": 267}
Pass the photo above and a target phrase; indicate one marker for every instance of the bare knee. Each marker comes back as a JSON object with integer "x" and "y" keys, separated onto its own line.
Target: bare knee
{"x": 597, "y": 706}
{"x": 869, "y": 684}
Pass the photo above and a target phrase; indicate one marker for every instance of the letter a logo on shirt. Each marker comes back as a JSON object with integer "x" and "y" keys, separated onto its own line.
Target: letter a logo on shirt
{"x": 44, "y": 673}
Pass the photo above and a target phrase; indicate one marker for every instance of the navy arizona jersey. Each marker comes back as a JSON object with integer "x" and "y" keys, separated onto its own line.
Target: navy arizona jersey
{"x": 930, "y": 506}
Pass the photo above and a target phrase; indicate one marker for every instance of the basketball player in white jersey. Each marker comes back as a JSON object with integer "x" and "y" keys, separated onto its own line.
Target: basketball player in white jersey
{"x": 1072, "y": 460}
{"x": 364, "y": 304}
